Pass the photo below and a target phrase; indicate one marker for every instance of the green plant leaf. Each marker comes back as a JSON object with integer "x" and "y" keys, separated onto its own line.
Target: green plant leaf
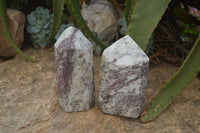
{"x": 130, "y": 4}
{"x": 176, "y": 85}
{"x": 58, "y": 7}
{"x": 35, "y": 29}
{"x": 144, "y": 18}
{"x": 61, "y": 29}
{"x": 74, "y": 9}
{"x": 5, "y": 25}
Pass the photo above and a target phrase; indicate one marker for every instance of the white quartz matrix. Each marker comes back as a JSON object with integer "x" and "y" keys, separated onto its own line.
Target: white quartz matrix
{"x": 123, "y": 78}
{"x": 74, "y": 68}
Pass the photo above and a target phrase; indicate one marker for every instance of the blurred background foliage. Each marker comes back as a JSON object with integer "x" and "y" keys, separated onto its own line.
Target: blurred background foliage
{"x": 171, "y": 40}
{"x": 26, "y": 6}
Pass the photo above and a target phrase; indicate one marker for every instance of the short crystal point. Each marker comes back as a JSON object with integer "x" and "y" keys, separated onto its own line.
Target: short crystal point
{"x": 123, "y": 79}
{"x": 74, "y": 69}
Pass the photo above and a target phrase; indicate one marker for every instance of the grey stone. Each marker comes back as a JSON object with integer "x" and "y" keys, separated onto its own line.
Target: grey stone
{"x": 123, "y": 77}
{"x": 101, "y": 17}
{"x": 74, "y": 67}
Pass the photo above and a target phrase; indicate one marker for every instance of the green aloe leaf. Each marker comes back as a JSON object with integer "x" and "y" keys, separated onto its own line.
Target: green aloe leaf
{"x": 176, "y": 85}
{"x": 74, "y": 9}
{"x": 144, "y": 17}
{"x": 5, "y": 25}
{"x": 58, "y": 7}
{"x": 130, "y": 4}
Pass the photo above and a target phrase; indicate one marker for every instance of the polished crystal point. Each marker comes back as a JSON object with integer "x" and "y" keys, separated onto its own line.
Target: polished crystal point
{"x": 123, "y": 79}
{"x": 74, "y": 69}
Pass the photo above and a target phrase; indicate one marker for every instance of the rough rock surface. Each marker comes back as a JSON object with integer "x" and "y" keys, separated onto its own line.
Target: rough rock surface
{"x": 16, "y": 23}
{"x": 24, "y": 100}
{"x": 33, "y": 86}
{"x": 101, "y": 18}
{"x": 74, "y": 68}
{"x": 124, "y": 70}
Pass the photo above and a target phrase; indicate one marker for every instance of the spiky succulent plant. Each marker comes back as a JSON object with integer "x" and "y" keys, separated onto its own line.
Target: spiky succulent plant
{"x": 61, "y": 29}
{"x": 122, "y": 23}
{"x": 39, "y": 26}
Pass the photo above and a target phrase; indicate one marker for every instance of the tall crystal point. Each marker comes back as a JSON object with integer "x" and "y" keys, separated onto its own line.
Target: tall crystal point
{"x": 123, "y": 76}
{"x": 74, "y": 68}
